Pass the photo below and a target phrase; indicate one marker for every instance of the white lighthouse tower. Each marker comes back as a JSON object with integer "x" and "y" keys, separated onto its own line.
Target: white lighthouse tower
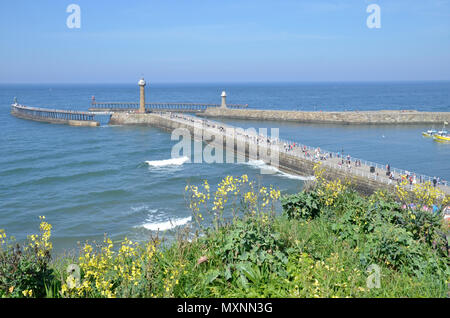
{"x": 142, "y": 95}
{"x": 224, "y": 100}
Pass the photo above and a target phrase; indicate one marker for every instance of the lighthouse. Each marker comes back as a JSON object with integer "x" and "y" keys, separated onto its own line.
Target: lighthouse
{"x": 224, "y": 100}
{"x": 141, "y": 95}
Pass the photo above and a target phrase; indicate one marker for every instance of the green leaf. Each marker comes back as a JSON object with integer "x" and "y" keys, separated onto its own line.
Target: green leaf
{"x": 211, "y": 276}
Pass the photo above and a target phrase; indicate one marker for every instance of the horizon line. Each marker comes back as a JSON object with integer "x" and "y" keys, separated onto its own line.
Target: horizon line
{"x": 228, "y": 82}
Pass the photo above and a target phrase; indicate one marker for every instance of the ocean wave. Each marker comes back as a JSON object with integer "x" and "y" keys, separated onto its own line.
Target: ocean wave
{"x": 295, "y": 177}
{"x": 143, "y": 207}
{"x": 168, "y": 162}
{"x": 260, "y": 164}
{"x": 166, "y": 225}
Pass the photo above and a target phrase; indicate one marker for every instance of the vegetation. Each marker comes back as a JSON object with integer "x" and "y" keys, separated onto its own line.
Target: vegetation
{"x": 322, "y": 245}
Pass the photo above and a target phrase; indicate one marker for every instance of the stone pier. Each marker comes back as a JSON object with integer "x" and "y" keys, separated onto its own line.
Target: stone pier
{"x": 319, "y": 117}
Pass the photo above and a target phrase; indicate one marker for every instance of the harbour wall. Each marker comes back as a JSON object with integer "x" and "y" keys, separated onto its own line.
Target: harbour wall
{"x": 347, "y": 117}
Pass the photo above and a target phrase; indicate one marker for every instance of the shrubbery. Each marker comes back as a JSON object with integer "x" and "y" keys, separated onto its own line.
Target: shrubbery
{"x": 303, "y": 205}
{"x": 25, "y": 270}
{"x": 321, "y": 246}
{"x": 406, "y": 238}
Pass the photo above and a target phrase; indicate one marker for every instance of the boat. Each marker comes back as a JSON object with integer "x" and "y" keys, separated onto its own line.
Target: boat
{"x": 441, "y": 137}
{"x": 429, "y": 133}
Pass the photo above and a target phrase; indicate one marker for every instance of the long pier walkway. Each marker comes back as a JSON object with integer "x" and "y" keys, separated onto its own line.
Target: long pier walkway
{"x": 57, "y": 116}
{"x": 298, "y": 158}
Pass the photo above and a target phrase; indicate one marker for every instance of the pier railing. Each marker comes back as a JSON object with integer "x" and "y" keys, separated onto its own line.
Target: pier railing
{"x": 364, "y": 165}
{"x": 178, "y": 107}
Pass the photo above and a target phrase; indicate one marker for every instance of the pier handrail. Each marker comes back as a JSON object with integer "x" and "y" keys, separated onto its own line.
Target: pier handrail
{"x": 48, "y": 110}
{"x": 397, "y": 171}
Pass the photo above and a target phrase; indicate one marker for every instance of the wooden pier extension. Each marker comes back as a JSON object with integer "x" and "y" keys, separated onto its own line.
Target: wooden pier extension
{"x": 150, "y": 107}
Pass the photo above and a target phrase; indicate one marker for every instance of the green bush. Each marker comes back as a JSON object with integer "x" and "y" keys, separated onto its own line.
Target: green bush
{"x": 303, "y": 205}
{"x": 385, "y": 233}
{"x": 247, "y": 249}
{"x": 24, "y": 272}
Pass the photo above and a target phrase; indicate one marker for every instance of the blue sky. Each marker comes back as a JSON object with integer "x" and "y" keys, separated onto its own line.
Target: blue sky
{"x": 223, "y": 41}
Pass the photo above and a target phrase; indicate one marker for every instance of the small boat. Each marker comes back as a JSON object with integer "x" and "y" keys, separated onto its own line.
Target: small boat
{"x": 429, "y": 133}
{"x": 441, "y": 137}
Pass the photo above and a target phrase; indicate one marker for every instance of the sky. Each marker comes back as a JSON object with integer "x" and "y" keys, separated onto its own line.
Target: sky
{"x": 172, "y": 41}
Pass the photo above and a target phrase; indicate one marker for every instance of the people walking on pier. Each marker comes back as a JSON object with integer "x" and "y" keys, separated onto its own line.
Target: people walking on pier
{"x": 392, "y": 176}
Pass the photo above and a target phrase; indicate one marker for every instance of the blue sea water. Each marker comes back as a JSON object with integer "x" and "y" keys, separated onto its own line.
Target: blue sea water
{"x": 91, "y": 181}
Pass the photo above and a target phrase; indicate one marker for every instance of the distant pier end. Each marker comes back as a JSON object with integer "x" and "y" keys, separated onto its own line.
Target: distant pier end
{"x": 55, "y": 116}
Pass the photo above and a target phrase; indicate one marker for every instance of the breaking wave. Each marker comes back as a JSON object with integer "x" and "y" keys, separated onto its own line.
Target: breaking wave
{"x": 168, "y": 162}
{"x": 167, "y": 225}
{"x": 260, "y": 164}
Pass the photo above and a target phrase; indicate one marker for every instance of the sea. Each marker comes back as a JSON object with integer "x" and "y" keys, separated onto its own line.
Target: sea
{"x": 121, "y": 181}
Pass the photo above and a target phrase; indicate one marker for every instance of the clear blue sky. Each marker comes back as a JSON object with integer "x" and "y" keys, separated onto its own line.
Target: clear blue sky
{"x": 223, "y": 41}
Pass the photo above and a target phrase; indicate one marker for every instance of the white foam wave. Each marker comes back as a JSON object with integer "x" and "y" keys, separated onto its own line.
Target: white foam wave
{"x": 296, "y": 177}
{"x": 168, "y": 162}
{"x": 143, "y": 208}
{"x": 167, "y": 225}
{"x": 260, "y": 164}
